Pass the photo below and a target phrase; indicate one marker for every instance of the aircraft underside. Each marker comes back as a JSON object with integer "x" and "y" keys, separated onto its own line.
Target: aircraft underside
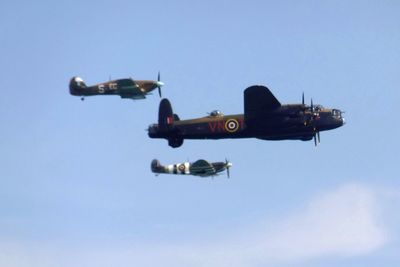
{"x": 292, "y": 133}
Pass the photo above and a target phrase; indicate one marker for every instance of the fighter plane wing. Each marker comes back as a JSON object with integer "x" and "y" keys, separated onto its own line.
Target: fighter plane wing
{"x": 128, "y": 88}
{"x": 202, "y": 168}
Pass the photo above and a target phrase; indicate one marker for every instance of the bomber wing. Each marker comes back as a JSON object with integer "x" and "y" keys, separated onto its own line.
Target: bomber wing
{"x": 258, "y": 101}
{"x": 202, "y": 168}
{"x": 259, "y": 98}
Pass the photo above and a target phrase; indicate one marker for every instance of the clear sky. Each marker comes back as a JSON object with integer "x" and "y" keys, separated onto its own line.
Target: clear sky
{"x": 75, "y": 182}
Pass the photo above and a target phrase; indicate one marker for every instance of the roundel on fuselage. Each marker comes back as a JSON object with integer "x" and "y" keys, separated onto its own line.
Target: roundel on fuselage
{"x": 231, "y": 125}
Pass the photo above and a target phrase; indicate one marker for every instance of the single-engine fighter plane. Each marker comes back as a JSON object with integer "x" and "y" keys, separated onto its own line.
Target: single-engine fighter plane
{"x": 264, "y": 118}
{"x": 200, "y": 168}
{"x": 126, "y": 88}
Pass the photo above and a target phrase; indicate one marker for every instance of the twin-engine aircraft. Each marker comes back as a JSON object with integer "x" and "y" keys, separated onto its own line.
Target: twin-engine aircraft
{"x": 200, "y": 168}
{"x": 126, "y": 88}
{"x": 264, "y": 118}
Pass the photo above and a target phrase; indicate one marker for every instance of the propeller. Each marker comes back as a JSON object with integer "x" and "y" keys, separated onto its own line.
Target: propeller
{"x": 307, "y": 120}
{"x": 228, "y": 165}
{"x": 317, "y": 138}
{"x": 159, "y": 84}
{"x": 314, "y": 115}
{"x": 314, "y": 110}
{"x": 312, "y": 106}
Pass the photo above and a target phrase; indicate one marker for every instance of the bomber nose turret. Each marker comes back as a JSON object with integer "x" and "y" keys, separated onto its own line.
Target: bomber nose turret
{"x": 341, "y": 118}
{"x": 336, "y": 119}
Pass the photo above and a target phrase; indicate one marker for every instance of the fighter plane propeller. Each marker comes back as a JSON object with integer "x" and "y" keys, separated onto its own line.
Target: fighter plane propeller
{"x": 159, "y": 84}
{"x": 125, "y": 88}
{"x": 228, "y": 165}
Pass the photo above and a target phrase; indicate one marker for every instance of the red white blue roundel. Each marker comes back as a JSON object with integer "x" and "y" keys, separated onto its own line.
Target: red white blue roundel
{"x": 231, "y": 125}
{"x": 182, "y": 167}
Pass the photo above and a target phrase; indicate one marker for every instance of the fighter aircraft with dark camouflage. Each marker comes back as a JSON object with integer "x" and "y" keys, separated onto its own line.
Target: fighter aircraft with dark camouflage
{"x": 126, "y": 88}
{"x": 200, "y": 168}
{"x": 264, "y": 118}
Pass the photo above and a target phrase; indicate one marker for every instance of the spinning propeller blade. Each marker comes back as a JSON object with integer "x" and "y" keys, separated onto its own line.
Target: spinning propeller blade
{"x": 228, "y": 165}
{"x": 159, "y": 84}
{"x": 312, "y": 106}
{"x": 317, "y": 138}
{"x": 314, "y": 115}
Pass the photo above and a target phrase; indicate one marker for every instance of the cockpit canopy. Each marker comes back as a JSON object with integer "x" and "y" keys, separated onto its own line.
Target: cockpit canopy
{"x": 319, "y": 107}
{"x": 216, "y": 113}
{"x": 336, "y": 113}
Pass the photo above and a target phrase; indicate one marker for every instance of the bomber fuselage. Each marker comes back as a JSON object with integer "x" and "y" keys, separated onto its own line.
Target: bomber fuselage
{"x": 264, "y": 118}
{"x": 286, "y": 122}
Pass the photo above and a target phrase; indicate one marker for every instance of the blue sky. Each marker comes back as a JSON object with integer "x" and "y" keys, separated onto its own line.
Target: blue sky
{"x": 75, "y": 182}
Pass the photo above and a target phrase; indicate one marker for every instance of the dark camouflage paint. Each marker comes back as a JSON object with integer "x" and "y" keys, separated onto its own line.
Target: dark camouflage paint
{"x": 126, "y": 88}
{"x": 283, "y": 122}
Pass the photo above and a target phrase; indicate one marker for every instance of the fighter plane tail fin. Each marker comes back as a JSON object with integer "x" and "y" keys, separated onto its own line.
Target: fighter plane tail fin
{"x": 156, "y": 166}
{"x": 166, "y": 117}
{"x": 76, "y": 86}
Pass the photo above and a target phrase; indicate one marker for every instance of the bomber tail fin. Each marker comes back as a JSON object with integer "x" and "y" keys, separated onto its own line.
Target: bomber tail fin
{"x": 77, "y": 86}
{"x": 166, "y": 117}
{"x": 166, "y": 129}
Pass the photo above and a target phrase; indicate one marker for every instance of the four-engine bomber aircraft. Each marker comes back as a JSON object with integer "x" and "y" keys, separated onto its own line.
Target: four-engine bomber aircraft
{"x": 126, "y": 88}
{"x": 200, "y": 168}
{"x": 264, "y": 118}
